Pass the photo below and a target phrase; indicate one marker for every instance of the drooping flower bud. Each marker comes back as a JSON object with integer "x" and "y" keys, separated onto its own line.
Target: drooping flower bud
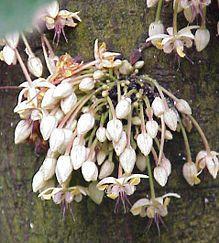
{"x": 47, "y": 125}
{"x": 106, "y": 169}
{"x": 165, "y": 163}
{"x": 12, "y": 39}
{"x": 152, "y": 128}
{"x": 95, "y": 194}
{"x": 38, "y": 181}
{"x": 158, "y": 106}
{"x": 155, "y": 28}
{"x": 170, "y": 118}
{"x": 144, "y": 142}
{"x": 114, "y": 128}
{"x": 63, "y": 90}
{"x": 86, "y": 84}
{"x": 35, "y": 66}
{"x": 151, "y": 3}
{"x": 9, "y": 55}
{"x": 202, "y": 38}
{"x": 59, "y": 115}
{"x": 49, "y": 101}
{"x": 160, "y": 175}
{"x": 89, "y": 171}
{"x": 63, "y": 168}
{"x": 128, "y": 159}
{"x": 78, "y": 156}
{"x": 139, "y": 64}
{"x": 22, "y": 131}
{"x": 168, "y": 135}
{"x": 119, "y": 147}
{"x": 68, "y": 102}
{"x": 190, "y": 173}
{"x": 183, "y": 107}
{"x": 48, "y": 168}
{"x": 101, "y": 155}
{"x": 85, "y": 123}
{"x": 123, "y": 108}
{"x": 126, "y": 68}
{"x": 101, "y": 134}
{"x": 57, "y": 139}
{"x": 141, "y": 162}
{"x": 98, "y": 74}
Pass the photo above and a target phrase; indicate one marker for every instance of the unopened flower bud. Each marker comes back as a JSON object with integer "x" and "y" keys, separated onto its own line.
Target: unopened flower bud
{"x": 56, "y": 139}
{"x": 155, "y": 28}
{"x": 119, "y": 147}
{"x": 68, "y": 102}
{"x": 22, "y": 131}
{"x": 170, "y": 118}
{"x": 136, "y": 121}
{"x": 85, "y": 123}
{"x": 12, "y": 39}
{"x": 114, "y": 128}
{"x": 101, "y": 134}
{"x": 101, "y": 156}
{"x": 139, "y": 64}
{"x": 59, "y": 115}
{"x": 63, "y": 90}
{"x": 71, "y": 125}
{"x": 168, "y": 135}
{"x": 165, "y": 163}
{"x": 183, "y": 107}
{"x": 63, "y": 168}
{"x": 145, "y": 143}
{"x": 49, "y": 101}
{"x": 48, "y": 168}
{"x": 126, "y": 68}
{"x": 151, "y": 3}
{"x": 9, "y": 55}
{"x": 158, "y": 106}
{"x": 141, "y": 162}
{"x": 47, "y": 125}
{"x": 38, "y": 181}
{"x": 78, "y": 156}
{"x": 89, "y": 171}
{"x": 86, "y": 84}
{"x": 128, "y": 159}
{"x": 106, "y": 169}
{"x": 35, "y": 66}
{"x": 123, "y": 108}
{"x": 160, "y": 175}
{"x": 202, "y": 38}
{"x": 152, "y": 128}
{"x": 190, "y": 173}
{"x": 98, "y": 74}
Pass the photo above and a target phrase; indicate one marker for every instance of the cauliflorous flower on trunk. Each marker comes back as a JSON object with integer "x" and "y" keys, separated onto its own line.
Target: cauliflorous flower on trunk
{"x": 58, "y": 19}
{"x": 176, "y": 42}
{"x": 120, "y": 188}
{"x": 153, "y": 208}
{"x": 209, "y": 160}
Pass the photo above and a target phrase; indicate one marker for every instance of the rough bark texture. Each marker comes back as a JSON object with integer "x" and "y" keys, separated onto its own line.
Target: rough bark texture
{"x": 123, "y": 25}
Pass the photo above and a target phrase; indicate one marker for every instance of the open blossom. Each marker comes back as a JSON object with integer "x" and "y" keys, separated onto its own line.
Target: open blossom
{"x": 153, "y": 208}
{"x": 120, "y": 188}
{"x": 176, "y": 42}
{"x": 209, "y": 160}
{"x": 58, "y": 19}
{"x": 190, "y": 173}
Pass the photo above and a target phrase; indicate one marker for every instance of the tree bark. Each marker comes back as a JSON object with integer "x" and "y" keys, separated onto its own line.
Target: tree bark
{"x": 123, "y": 25}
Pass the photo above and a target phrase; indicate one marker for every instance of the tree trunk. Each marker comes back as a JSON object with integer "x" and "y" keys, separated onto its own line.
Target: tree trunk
{"x": 122, "y": 24}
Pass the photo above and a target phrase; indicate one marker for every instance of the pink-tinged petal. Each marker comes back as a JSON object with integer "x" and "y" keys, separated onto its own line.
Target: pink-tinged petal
{"x": 168, "y": 47}
{"x": 108, "y": 180}
{"x": 170, "y": 30}
{"x": 129, "y": 189}
{"x": 171, "y": 195}
{"x": 187, "y": 29}
{"x": 157, "y": 37}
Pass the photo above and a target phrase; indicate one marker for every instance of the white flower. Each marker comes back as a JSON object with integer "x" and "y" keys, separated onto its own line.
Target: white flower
{"x": 101, "y": 156}
{"x": 35, "y": 66}
{"x": 101, "y": 134}
{"x": 114, "y": 128}
{"x": 156, "y": 28}
{"x": 22, "y": 131}
{"x": 47, "y": 125}
{"x": 9, "y": 55}
{"x": 158, "y": 106}
{"x": 127, "y": 159}
{"x": 57, "y": 139}
{"x": 141, "y": 162}
{"x": 68, "y": 103}
{"x": 170, "y": 118}
{"x": 202, "y": 38}
{"x": 152, "y": 128}
{"x": 153, "y": 207}
{"x": 48, "y": 167}
{"x": 190, "y": 173}
{"x": 63, "y": 168}
{"x": 160, "y": 175}
{"x": 106, "y": 169}
{"x": 62, "y": 90}
{"x": 119, "y": 147}
{"x": 59, "y": 115}
{"x": 48, "y": 101}
{"x": 38, "y": 181}
{"x": 183, "y": 107}
{"x": 165, "y": 163}
{"x": 78, "y": 156}
{"x": 12, "y": 39}
{"x": 145, "y": 143}
{"x": 89, "y": 171}
{"x": 85, "y": 123}
{"x": 86, "y": 84}
{"x": 123, "y": 108}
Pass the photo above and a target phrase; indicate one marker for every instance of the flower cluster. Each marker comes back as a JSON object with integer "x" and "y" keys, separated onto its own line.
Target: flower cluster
{"x": 102, "y": 122}
{"x": 176, "y": 40}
